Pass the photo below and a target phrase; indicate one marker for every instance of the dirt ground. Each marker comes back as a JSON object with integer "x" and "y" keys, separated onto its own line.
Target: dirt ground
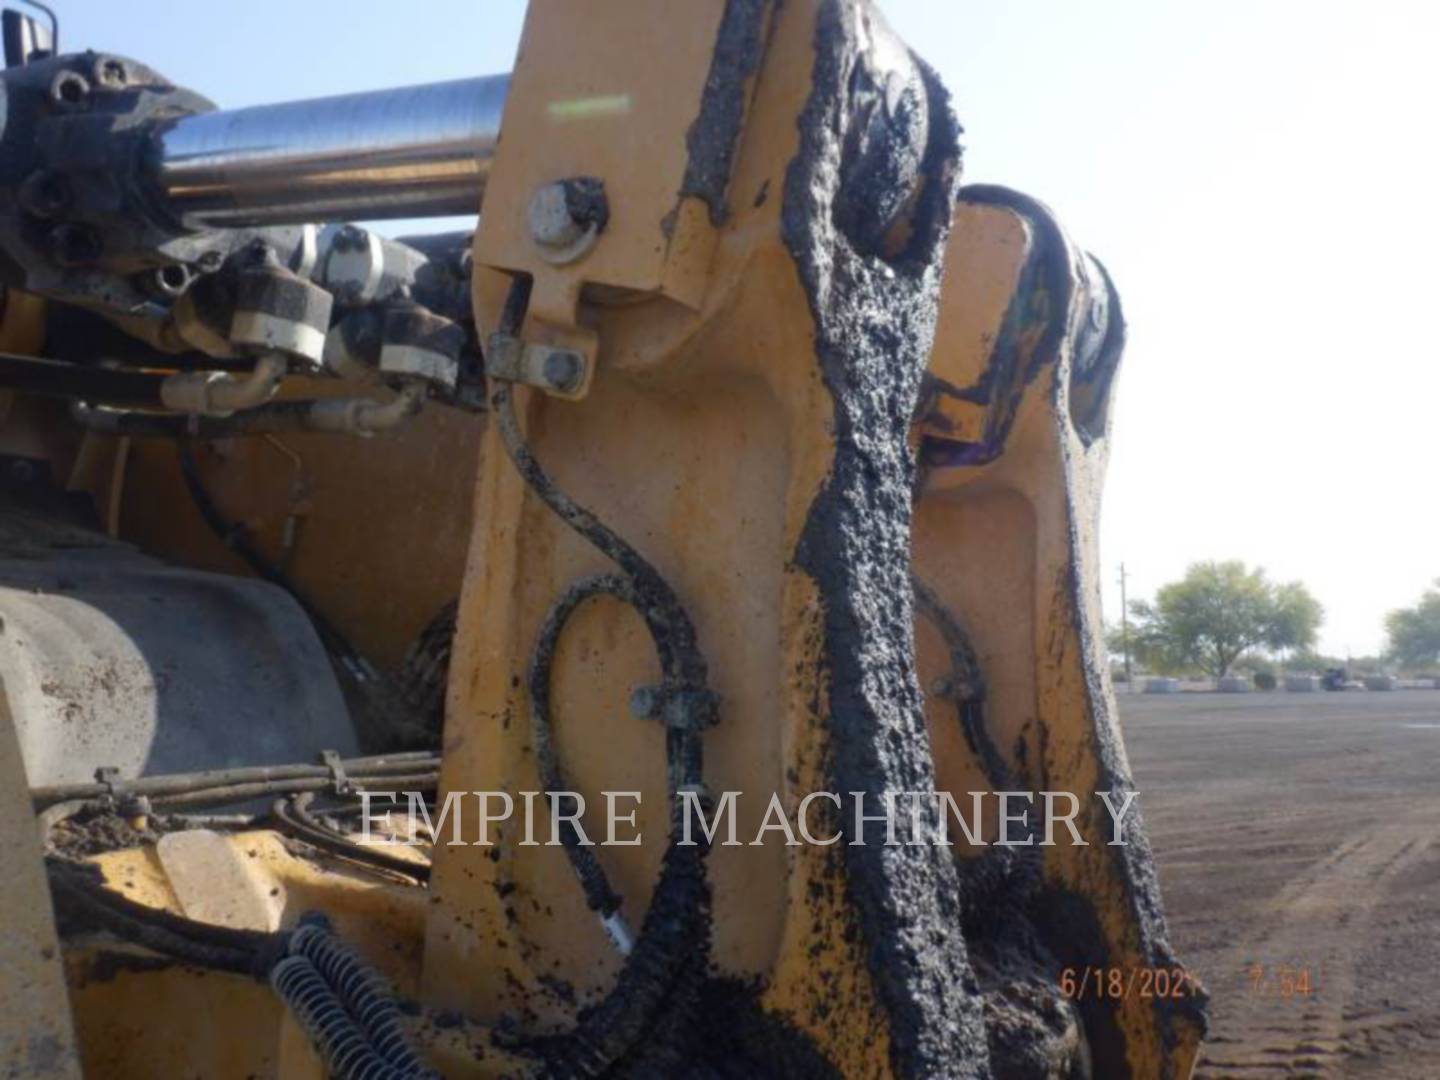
{"x": 1295, "y": 836}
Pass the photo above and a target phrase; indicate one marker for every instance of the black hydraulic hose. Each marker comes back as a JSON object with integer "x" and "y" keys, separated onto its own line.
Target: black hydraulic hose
{"x": 332, "y": 1031}
{"x": 341, "y": 1002}
{"x": 53, "y": 378}
{"x": 654, "y": 594}
{"x": 344, "y": 1007}
{"x": 85, "y": 903}
{"x": 384, "y": 699}
{"x": 237, "y": 539}
{"x": 676, "y": 926}
{"x": 595, "y": 883}
{"x": 967, "y": 685}
{"x": 360, "y": 991}
{"x": 293, "y": 815}
{"x": 1002, "y": 878}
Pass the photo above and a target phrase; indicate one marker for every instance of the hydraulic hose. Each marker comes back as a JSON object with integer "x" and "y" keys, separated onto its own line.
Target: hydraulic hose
{"x": 661, "y": 972}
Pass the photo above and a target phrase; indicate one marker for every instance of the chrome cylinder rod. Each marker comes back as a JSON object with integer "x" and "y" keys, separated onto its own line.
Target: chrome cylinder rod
{"x": 417, "y": 151}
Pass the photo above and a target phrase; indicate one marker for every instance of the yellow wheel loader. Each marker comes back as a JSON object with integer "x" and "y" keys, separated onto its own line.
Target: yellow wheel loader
{"x": 656, "y": 634}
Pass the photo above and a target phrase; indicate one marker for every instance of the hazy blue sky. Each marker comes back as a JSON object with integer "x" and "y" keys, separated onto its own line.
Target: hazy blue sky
{"x": 1259, "y": 177}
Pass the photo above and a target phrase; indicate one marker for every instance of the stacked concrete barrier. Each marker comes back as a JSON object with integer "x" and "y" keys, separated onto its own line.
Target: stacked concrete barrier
{"x": 1379, "y": 682}
{"x": 1161, "y": 685}
{"x": 1233, "y": 684}
{"x": 1302, "y": 684}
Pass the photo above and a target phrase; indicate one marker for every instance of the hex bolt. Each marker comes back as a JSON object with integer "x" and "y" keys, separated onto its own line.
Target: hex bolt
{"x": 563, "y": 369}
{"x": 551, "y": 225}
{"x": 210, "y": 261}
{"x": 567, "y": 216}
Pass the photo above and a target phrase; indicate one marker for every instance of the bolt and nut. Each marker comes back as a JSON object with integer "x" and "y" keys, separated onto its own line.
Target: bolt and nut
{"x": 566, "y": 217}
{"x": 563, "y": 369}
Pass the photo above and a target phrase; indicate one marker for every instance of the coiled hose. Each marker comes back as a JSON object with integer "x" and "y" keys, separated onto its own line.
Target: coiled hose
{"x": 344, "y": 1007}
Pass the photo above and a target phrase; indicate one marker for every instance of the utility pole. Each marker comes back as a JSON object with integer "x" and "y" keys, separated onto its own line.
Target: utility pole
{"x": 1125, "y": 632}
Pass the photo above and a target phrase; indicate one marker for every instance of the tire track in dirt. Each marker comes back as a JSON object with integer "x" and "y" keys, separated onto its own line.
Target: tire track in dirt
{"x": 1318, "y": 924}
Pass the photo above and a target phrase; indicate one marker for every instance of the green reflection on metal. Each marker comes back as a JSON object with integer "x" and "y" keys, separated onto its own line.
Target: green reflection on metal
{"x": 588, "y": 107}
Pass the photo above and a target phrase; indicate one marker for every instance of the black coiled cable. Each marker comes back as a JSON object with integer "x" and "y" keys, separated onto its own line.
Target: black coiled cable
{"x": 344, "y": 1008}
{"x": 332, "y": 1031}
{"x": 360, "y": 988}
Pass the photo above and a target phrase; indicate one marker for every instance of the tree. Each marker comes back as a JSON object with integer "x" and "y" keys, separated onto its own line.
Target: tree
{"x": 1414, "y": 632}
{"x": 1151, "y": 647}
{"x": 1296, "y": 617}
{"x": 1217, "y": 612}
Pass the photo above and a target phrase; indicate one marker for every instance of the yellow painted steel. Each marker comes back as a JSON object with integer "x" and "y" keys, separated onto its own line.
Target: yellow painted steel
{"x": 704, "y": 435}
{"x": 139, "y": 1016}
{"x": 37, "y": 1041}
{"x": 1011, "y": 545}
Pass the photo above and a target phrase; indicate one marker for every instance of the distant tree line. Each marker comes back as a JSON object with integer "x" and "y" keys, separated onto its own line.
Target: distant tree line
{"x": 1219, "y": 613}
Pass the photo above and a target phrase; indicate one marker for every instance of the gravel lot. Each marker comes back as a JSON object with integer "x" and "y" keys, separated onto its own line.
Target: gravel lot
{"x": 1295, "y": 836}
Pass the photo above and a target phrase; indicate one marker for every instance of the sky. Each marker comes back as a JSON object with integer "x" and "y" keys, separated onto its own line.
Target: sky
{"x": 1259, "y": 177}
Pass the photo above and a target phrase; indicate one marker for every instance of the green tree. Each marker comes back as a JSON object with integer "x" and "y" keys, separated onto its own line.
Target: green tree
{"x": 1296, "y": 618}
{"x": 1414, "y": 632}
{"x": 1151, "y": 647}
{"x": 1218, "y": 612}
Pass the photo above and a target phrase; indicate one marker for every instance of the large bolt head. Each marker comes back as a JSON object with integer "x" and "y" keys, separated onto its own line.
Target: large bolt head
{"x": 551, "y": 225}
{"x": 566, "y": 217}
{"x": 563, "y": 369}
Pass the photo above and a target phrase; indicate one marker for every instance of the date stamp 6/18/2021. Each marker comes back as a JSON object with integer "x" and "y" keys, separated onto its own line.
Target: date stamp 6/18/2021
{"x": 1116, "y": 983}
{"x": 1282, "y": 982}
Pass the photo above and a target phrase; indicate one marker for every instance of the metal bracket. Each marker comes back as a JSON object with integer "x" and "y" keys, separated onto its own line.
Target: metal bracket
{"x": 343, "y": 784}
{"x": 559, "y": 371}
{"x": 684, "y": 710}
{"x": 118, "y": 795}
{"x": 115, "y": 788}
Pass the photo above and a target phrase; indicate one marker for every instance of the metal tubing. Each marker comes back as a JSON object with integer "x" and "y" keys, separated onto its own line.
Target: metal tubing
{"x": 417, "y": 151}
{"x": 50, "y": 378}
